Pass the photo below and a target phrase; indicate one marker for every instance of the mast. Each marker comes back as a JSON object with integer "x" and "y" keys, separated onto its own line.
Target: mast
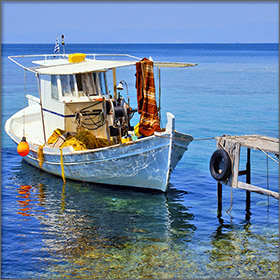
{"x": 159, "y": 95}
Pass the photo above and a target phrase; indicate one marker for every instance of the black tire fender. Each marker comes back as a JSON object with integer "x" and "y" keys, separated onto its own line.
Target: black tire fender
{"x": 220, "y": 165}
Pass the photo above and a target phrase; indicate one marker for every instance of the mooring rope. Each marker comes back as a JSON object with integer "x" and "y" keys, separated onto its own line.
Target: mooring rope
{"x": 268, "y": 155}
{"x": 231, "y": 191}
{"x": 180, "y": 139}
{"x": 202, "y": 139}
{"x": 231, "y": 201}
{"x": 267, "y": 183}
{"x": 24, "y": 90}
{"x": 212, "y": 138}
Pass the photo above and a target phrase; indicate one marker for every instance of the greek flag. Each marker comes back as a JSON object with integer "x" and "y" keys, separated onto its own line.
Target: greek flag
{"x": 56, "y": 47}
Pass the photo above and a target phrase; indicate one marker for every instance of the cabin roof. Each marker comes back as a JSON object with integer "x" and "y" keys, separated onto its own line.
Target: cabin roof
{"x": 63, "y": 67}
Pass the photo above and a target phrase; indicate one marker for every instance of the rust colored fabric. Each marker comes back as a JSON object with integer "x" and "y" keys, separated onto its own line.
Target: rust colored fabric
{"x": 146, "y": 98}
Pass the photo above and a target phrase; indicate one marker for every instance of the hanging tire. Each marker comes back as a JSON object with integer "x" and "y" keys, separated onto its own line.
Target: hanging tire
{"x": 220, "y": 165}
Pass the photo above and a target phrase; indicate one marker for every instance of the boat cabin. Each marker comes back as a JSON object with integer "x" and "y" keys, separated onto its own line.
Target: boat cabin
{"x": 73, "y": 97}
{"x": 70, "y": 94}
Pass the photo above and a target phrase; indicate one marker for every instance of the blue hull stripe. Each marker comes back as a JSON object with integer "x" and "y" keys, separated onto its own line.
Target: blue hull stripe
{"x": 64, "y": 116}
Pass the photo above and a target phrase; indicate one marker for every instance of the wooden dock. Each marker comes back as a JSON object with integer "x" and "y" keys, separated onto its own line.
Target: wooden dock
{"x": 232, "y": 145}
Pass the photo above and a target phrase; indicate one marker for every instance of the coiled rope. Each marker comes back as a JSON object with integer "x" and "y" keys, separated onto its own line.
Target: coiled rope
{"x": 90, "y": 118}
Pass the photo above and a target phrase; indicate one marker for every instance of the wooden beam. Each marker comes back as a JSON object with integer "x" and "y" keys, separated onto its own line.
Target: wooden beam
{"x": 242, "y": 172}
{"x": 173, "y": 64}
{"x": 252, "y": 188}
{"x": 257, "y": 142}
{"x": 159, "y": 95}
{"x": 248, "y": 179}
{"x": 115, "y": 83}
{"x": 219, "y": 196}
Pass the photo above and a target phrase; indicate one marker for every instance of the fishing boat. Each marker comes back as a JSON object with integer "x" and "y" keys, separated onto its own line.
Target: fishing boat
{"x": 76, "y": 129}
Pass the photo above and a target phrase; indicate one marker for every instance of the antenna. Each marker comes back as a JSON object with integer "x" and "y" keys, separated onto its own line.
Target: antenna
{"x": 63, "y": 43}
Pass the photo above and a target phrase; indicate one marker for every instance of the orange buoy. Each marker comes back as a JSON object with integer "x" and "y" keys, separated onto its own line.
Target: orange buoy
{"x": 23, "y": 147}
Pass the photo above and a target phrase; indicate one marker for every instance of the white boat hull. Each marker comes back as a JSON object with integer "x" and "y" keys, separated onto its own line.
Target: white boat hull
{"x": 144, "y": 163}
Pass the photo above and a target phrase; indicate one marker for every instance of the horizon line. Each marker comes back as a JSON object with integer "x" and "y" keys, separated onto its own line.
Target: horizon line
{"x": 30, "y": 43}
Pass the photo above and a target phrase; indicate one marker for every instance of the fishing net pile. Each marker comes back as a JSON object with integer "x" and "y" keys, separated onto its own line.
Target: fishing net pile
{"x": 83, "y": 140}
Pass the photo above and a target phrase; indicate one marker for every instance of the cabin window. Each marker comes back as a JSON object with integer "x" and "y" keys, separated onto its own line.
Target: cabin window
{"x": 67, "y": 85}
{"x": 96, "y": 82}
{"x": 79, "y": 82}
{"x": 102, "y": 83}
{"x": 89, "y": 84}
{"x": 54, "y": 87}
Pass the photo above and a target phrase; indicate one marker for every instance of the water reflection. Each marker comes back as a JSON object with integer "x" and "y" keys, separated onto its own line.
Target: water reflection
{"x": 104, "y": 231}
{"x": 115, "y": 214}
{"x": 242, "y": 252}
{"x": 92, "y": 231}
{"x": 24, "y": 201}
{"x": 41, "y": 195}
{"x": 63, "y": 198}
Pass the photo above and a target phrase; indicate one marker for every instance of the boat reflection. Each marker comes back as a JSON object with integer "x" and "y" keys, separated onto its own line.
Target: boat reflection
{"x": 24, "y": 200}
{"x": 123, "y": 228}
{"x": 90, "y": 210}
{"x": 41, "y": 195}
{"x": 63, "y": 196}
{"x": 85, "y": 199}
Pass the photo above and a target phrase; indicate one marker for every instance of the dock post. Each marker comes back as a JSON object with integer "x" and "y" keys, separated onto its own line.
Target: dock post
{"x": 248, "y": 179}
{"x": 219, "y": 195}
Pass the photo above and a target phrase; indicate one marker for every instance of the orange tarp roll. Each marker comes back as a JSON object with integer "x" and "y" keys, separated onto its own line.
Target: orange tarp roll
{"x": 146, "y": 98}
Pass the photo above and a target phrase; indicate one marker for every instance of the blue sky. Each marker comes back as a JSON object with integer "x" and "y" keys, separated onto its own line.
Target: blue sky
{"x": 140, "y": 22}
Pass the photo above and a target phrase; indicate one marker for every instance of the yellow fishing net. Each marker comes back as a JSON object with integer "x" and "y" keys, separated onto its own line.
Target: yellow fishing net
{"x": 55, "y": 135}
{"x": 91, "y": 141}
{"x": 75, "y": 143}
{"x": 83, "y": 140}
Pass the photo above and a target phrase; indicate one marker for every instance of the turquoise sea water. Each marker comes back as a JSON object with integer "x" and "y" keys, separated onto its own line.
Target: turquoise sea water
{"x": 92, "y": 231}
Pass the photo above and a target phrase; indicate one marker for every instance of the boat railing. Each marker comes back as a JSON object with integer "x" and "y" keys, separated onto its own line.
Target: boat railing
{"x": 114, "y": 55}
{"x": 46, "y": 57}
{"x": 32, "y": 99}
{"x": 56, "y": 56}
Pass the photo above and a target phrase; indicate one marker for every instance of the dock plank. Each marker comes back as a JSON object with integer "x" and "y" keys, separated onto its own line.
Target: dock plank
{"x": 256, "y": 142}
{"x": 252, "y": 188}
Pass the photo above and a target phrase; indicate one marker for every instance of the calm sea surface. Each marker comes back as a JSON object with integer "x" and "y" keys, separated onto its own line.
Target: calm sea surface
{"x": 77, "y": 230}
